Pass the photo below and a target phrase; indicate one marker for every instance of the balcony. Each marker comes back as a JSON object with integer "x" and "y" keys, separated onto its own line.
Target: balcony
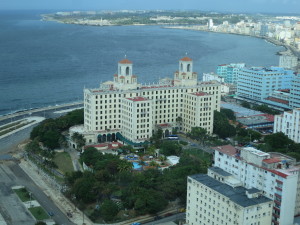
{"x": 278, "y": 181}
{"x": 278, "y": 195}
{"x": 278, "y": 188}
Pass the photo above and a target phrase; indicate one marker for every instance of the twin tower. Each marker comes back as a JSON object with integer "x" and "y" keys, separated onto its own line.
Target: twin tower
{"x": 125, "y": 79}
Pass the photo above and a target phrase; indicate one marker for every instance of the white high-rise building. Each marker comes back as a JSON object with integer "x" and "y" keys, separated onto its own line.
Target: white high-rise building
{"x": 288, "y": 61}
{"x": 289, "y": 124}
{"x": 218, "y": 198}
{"x": 126, "y": 110}
{"x": 275, "y": 174}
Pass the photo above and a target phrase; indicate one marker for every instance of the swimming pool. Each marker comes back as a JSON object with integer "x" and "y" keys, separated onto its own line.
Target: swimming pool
{"x": 136, "y": 166}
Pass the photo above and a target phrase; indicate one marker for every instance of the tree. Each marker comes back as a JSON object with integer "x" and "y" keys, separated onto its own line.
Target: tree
{"x": 228, "y": 113}
{"x": 125, "y": 166}
{"x": 199, "y": 134}
{"x": 222, "y": 127}
{"x": 109, "y": 210}
{"x": 278, "y": 141}
{"x": 246, "y": 104}
{"x": 79, "y": 140}
{"x": 170, "y": 148}
{"x": 40, "y": 223}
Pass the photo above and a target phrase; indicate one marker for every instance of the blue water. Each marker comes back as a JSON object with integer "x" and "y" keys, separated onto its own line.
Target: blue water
{"x": 47, "y": 63}
{"x": 136, "y": 166}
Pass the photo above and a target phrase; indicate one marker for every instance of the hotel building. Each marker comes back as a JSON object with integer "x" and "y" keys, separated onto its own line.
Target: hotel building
{"x": 129, "y": 111}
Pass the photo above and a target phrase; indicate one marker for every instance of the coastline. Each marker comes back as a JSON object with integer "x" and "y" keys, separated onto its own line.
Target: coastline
{"x": 288, "y": 49}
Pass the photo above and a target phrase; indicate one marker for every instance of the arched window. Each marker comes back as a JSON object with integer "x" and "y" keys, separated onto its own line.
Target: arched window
{"x": 188, "y": 67}
{"x": 127, "y": 70}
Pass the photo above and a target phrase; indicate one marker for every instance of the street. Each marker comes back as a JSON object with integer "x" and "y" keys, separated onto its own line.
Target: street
{"x": 167, "y": 219}
{"x": 12, "y": 208}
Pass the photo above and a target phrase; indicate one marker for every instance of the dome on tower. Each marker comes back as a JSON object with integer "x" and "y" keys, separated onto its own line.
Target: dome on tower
{"x": 125, "y": 61}
{"x": 186, "y": 59}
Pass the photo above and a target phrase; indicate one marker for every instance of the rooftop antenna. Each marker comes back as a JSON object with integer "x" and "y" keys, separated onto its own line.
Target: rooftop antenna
{"x": 125, "y": 56}
{"x": 186, "y": 53}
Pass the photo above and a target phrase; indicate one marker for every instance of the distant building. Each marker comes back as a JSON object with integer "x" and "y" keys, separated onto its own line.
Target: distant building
{"x": 218, "y": 198}
{"x": 123, "y": 109}
{"x": 256, "y": 83}
{"x": 212, "y": 76}
{"x": 289, "y": 124}
{"x": 288, "y": 61}
{"x": 229, "y": 71}
{"x": 210, "y": 24}
{"x": 264, "y": 29}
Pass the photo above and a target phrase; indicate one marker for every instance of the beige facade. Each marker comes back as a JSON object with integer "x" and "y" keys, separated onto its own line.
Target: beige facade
{"x": 212, "y": 202}
{"x": 125, "y": 107}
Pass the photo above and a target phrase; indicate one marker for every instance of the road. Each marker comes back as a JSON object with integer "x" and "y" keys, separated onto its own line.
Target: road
{"x": 11, "y": 142}
{"x": 167, "y": 219}
{"x": 11, "y": 207}
{"x": 195, "y": 144}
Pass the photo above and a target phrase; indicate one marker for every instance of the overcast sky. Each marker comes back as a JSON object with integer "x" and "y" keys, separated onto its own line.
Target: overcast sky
{"x": 270, "y": 6}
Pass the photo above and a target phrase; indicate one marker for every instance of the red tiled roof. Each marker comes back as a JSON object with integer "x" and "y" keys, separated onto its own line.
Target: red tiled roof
{"x": 134, "y": 76}
{"x": 271, "y": 160}
{"x": 115, "y": 75}
{"x": 186, "y": 59}
{"x": 200, "y": 93}
{"x": 125, "y": 61}
{"x": 279, "y": 173}
{"x": 137, "y": 99}
{"x": 122, "y": 77}
{"x": 278, "y": 100}
{"x": 183, "y": 74}
{"x": 226, "y": 149}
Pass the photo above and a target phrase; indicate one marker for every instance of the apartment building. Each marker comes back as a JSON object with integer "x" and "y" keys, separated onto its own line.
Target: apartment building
{"x": 275, "y": 174}
{"x": 230, "y": 71}
{"x": 256, "y": 83}
{"x": 218, "y": 198}
{"x": 289, "y": 124}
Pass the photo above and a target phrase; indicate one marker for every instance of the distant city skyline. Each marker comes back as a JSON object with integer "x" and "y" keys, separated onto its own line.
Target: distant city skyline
{"x": 252, "y": 6}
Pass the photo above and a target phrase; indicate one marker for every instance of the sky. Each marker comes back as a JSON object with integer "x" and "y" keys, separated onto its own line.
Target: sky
{"x": 253, "y": 6}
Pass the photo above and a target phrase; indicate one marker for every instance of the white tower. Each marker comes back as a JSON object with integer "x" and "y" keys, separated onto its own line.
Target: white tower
{"x": 124, "y": 79}
{"x": 185, "y": 76}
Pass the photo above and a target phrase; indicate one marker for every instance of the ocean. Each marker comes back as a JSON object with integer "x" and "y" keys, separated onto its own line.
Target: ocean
{"x": 47, "y": 63}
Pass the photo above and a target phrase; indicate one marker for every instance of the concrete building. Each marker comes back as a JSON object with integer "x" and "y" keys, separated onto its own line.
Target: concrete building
{"x": 218, "y": 198}
{"x": 289, "y": 124}
{"x": 288, "y": 61}
{"x": 295, "y": 92}
{"x": 275, "y": 174}
{"x": 256, "y": 84}
{"x": 230, "y": 71}
{"x": 126, "y": 110}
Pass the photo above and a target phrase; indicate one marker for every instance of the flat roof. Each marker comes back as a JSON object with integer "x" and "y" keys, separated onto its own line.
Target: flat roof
{"x": 220, "y": 171}
{"x": 236, "y": 195}
{"x": 239, "y": 110}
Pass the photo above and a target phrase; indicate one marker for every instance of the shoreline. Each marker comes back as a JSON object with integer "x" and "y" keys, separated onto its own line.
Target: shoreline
{"x": 288, "y": 49}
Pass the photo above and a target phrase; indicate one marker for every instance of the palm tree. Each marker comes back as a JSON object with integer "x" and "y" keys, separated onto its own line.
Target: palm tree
{"x": 125, "y": 166}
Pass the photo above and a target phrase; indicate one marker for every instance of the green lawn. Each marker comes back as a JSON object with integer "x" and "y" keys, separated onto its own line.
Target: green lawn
{"x": 64, "y": 162}
{"x": 23, "y": 194}
{"x": 199, "y": 153}
{"x": 38, "y": 213}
